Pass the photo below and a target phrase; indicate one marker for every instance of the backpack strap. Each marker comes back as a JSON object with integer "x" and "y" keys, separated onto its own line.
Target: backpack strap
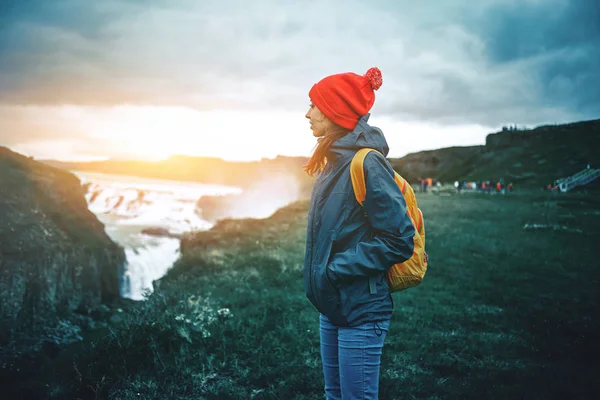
{"x": 420, "y": 222}
{"x": 357, "y": 174}
{"x": 401, "y": 182}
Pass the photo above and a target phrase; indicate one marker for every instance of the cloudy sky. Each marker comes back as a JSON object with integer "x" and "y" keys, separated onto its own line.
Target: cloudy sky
{"x": 84, "y": 79}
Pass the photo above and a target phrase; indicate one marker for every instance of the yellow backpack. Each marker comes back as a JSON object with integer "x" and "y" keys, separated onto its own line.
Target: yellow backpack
{"x": 411, "y": 272}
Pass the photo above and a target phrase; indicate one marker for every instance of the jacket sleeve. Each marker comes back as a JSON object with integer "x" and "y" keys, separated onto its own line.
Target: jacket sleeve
{"x": 392, "y": 241}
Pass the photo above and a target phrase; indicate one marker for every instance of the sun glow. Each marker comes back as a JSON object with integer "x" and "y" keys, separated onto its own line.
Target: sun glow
{"x": 74, "y": 133}
{"x": 154, "y": 133}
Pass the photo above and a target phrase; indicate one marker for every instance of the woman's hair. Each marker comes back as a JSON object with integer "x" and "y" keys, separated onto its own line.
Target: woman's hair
{"x": 316, "y": 163}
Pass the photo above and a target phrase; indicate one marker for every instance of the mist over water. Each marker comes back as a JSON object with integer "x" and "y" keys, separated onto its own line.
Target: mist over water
{"x": 127, "y": 205}
{"x": 264, "y": 197}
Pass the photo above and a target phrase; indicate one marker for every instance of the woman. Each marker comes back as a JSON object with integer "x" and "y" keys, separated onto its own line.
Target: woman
{"x": 349, "y": 248}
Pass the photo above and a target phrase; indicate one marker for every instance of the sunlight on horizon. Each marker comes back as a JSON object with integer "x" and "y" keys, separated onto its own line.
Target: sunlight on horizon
{"x": 154, "y": 133}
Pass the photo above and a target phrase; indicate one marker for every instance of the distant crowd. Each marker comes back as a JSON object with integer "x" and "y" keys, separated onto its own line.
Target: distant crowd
{"x": 427, "y": 183}
{"x": 490, "y": 187}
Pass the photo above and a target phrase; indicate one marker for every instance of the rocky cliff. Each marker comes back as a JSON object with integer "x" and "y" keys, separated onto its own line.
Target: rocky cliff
{"x": 533, "y": 157}
{"x": 443, "y": 164}
{"x": 55, "y": 256}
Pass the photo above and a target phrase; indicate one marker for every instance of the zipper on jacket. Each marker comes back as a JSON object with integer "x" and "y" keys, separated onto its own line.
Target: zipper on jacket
{"x": 312, "y": 237}
{"x": 314, "y": 200}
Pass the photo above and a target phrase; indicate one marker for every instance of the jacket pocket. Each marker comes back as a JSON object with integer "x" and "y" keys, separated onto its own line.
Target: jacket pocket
{"x": 378, "y": 283}
{"x": 334, "y": 236}
{"x": 327, "y": 296}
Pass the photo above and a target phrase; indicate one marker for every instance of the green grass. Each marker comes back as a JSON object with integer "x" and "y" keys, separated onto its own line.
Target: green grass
{"x": 503, "y": 313}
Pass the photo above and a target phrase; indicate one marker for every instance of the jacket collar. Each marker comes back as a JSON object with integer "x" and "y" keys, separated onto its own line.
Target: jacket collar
{"x": 363, "y": 135}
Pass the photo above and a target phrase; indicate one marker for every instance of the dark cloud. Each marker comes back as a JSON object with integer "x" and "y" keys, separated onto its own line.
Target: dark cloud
{"x": 523, "y": 30}
{"x": 76, "y": 16}
{"x": 489, "y": 62}
{"x": 564, "y": 36}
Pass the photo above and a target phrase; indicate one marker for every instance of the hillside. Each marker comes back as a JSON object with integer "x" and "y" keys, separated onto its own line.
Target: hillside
{"x": 198, "y": 169}
{"x": 529, "y": 158}
{"x": 55, "y": 257}
{"x": 445, "y": 165}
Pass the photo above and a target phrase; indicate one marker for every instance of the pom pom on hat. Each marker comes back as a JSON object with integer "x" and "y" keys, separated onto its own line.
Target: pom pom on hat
{"x": 374, "y": 76}
{"x": 345, "y": 98}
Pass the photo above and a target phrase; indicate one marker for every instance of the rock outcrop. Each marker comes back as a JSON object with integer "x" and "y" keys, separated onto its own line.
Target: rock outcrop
{"x": 55, "y": 256}
{"x": 443, "y": 164}
{"x": 530, "y": 158}
{"x": 584, "y": 131}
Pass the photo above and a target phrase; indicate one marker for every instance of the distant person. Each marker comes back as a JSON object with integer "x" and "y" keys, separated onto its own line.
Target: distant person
{"x": 349, "y": 249}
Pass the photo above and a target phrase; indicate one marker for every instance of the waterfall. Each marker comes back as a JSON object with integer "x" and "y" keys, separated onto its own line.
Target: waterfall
{"x": 134, "y": 209}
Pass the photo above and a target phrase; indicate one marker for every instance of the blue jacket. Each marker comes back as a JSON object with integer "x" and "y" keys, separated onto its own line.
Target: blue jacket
{"x": 349, "y": 248}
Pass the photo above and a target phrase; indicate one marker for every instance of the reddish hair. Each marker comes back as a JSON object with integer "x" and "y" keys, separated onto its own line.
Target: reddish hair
{"x": 317, "y": 161}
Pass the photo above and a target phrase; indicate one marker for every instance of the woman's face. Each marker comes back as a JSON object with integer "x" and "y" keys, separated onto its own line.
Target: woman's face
{"x": 319, "y": 123}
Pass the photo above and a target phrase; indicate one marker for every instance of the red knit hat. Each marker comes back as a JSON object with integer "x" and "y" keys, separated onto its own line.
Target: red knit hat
{"x": 345, "y": 98}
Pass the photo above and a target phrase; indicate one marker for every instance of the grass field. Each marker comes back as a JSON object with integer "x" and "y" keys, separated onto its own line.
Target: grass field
{"x": 503, "y": 313}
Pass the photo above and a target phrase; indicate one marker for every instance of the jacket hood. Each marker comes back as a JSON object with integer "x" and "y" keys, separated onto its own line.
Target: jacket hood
{"x": 363, "y": 135}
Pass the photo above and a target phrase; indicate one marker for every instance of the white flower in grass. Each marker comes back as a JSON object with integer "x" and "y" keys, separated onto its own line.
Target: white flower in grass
{"x": 224, "y": 313}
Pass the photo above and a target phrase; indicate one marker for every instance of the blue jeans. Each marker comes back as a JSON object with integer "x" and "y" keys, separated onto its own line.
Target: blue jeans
{"x": 351, "y": 357}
